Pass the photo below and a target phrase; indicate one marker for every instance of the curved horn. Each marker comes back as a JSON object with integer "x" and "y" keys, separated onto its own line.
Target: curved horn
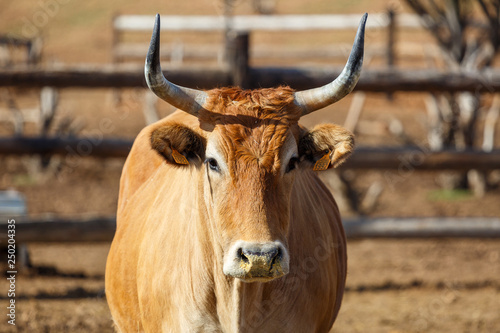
{"x": 186, "y": 99}
{"x": 318, "y": 98}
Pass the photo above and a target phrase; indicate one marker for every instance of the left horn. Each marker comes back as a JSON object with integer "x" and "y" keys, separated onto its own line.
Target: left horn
{"x": 186, "y": 99}
{"x": 318, "y": 98}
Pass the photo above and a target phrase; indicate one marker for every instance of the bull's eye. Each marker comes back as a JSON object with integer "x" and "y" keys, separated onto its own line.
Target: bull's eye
{"x": 292, "y": 164}
{"x": 212, "y": 164}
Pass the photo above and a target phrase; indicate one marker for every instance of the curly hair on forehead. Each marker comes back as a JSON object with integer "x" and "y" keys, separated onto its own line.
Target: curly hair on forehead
{"x": 265, "y": 103}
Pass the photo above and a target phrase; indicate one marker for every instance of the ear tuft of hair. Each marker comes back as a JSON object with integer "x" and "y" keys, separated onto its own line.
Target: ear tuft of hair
{"x": 330, "y": 139}
{"x": 178, "y": 144}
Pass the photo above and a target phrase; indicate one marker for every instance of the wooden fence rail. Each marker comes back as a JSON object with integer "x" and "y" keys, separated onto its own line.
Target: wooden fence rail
{"x": 72, "y": 147}
{"x": 102, "y": 229}
{"x": 210, "y": 77}
{"x": 225, "y": 26}
{"x": 204, "y": 23}
{"x": 402, "y": 159}
{"x": 422, "y": 227}
{"x": 415, "y": 158}
{"x": 108, "y": 76}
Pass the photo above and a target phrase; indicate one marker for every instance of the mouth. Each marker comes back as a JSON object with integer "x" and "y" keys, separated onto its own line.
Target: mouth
{"x": 255, "y": 272}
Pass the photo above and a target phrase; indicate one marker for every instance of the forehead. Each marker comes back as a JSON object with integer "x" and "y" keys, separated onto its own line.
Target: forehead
{"x": 263, "y": 147}
{"x": 252, "y": 125}
{"x": 263, "y": 138}
{"x": 245, "y": 107}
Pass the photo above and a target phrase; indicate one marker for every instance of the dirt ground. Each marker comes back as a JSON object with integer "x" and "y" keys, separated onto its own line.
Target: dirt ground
{"x": 393, "y": 286}
{"x": 445, "y": 285}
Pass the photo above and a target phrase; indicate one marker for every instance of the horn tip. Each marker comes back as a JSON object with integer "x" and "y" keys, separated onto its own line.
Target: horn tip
{"x": 362, "y": 23}
{"x": 357, "y": 51}
{"x": 154, "y": 46}
{"x": 152, "y": 64}
{"x": 157, "y": 21}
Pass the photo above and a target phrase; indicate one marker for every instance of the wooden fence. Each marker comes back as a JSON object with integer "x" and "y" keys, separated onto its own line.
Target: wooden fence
{"x": 382, "y": 80}
{"x": 403, "y": 158}
{"x": 32, "y": 48}
{"x": 102, "y": 229}
{"x": 236, "y": 71}
{"x": 224, "y": 26}
{"x": 244, "y": 23}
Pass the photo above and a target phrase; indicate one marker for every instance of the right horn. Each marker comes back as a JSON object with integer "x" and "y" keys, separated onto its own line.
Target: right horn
{"x": 186, "y": 99}
{"x": 318, "y": 98}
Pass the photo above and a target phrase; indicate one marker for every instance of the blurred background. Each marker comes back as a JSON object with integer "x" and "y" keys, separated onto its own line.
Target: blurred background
{"x": 420, "y": 197}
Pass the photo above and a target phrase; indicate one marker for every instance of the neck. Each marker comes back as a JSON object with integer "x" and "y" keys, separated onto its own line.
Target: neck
{"x": 239, "y": 304}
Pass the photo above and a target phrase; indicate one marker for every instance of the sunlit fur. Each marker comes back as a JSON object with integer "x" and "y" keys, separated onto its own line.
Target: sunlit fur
{"x": 175, "y": 223}
{"x": 252, "y": 123}
{"x": 327, "y": 137}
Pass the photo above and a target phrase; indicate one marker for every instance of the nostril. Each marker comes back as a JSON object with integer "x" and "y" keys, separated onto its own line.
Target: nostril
{"x": 272, "y": 254}
{"x": 278, "y": 254}
{"x": 276, "y": 257}
{"x": 241, "y": 255}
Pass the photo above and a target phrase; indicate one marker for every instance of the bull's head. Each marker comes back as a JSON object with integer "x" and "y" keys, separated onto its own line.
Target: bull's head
{"x": 249, "y": 148}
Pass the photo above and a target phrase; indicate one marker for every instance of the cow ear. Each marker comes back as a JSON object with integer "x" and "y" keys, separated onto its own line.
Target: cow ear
{"x": 178, "y": 144}
{"x": 326, "y": 146}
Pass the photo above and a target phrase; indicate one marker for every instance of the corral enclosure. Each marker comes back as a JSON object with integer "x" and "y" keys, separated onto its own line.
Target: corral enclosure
{"x": 394, "y": 285}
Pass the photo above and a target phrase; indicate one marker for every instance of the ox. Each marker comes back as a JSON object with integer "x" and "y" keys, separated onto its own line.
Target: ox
{"x": 222, "y": 222}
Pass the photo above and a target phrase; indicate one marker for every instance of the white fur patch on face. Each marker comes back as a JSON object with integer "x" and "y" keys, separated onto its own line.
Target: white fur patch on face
{"x": 288, "y": 151}
{"x": 214, "y": 151}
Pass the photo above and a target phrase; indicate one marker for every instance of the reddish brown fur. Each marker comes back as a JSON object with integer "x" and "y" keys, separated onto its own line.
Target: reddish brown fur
{"x": 327, "y": 137}
{"x": 265, "y": 115}
{"x": 178, "y": 137}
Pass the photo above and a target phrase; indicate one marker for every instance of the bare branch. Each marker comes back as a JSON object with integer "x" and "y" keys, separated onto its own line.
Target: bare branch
{"x": 455, "y": 30}
{"x": 485, "y": 9}
{"x": 433, "y": 19}
{"x": 436, "y": 8}
{"x": 493, "y": 16}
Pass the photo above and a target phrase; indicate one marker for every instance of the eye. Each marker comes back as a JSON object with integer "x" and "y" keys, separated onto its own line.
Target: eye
{"x": 212, "y": 164}
{"x": 292, "y": 164}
